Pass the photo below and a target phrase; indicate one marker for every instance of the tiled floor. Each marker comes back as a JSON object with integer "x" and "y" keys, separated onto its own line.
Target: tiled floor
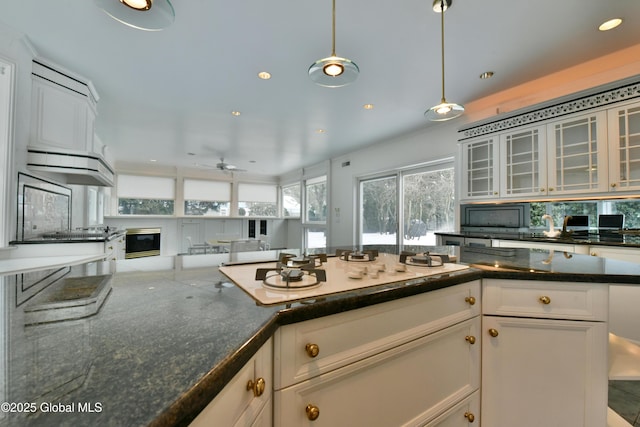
{"x": 624, "y": 398}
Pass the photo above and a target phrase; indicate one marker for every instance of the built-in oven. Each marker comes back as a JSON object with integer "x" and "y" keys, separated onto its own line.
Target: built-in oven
{"x": 142, "y": 242}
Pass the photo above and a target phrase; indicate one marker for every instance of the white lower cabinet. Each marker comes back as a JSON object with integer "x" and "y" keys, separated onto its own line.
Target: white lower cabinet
{"x": 538, "y": 368}
{"x": 464, "y": 414}
{"x": 246, "y": 399}
{"x": 406, "y": 362}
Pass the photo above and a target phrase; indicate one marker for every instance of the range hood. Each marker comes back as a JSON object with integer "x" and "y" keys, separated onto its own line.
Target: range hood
{"x": 78, "y": 167}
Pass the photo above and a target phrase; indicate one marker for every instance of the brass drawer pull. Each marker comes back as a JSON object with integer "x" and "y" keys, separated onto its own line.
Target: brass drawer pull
{"x": 545, "y": 300}
{"x": 470, "y": 339}
{"x": 470, "y": 300}
{"x": 469, "y": 416}
{"x": 313, "y": 412}
{"x": 493, "y": 332}
{"x": 312, "y": 349}
{"x": 257, "y": 387}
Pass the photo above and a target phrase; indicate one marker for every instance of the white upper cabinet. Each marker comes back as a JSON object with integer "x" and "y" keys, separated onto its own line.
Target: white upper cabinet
{"x": 523, "y": 168}
{"x": 577, "y": 157}
{"x": 63, "y": 109}
{"x": 589, "y": 146}
{"x": 624, "y": 147}
{"x": 480, "y": 179}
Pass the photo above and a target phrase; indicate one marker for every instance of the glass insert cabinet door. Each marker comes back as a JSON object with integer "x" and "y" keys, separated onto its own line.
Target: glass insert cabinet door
{"x": 624, "y": 150}
{"x": 480, "y": 166}
{"x": 577, "y": 154}
{"x": 524, "y": 169}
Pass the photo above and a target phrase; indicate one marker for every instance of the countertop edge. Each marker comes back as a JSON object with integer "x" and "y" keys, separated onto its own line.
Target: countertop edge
{"x": 23, "y": 265}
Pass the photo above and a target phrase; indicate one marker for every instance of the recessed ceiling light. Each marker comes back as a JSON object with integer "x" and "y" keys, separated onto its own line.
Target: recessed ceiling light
{"x": 368, "y": 106}
{"x": 152, "y": 160}
{"x": 320, "y": 131}
{"x": 610, "y": 24}
{"x": 264, "y": 75}
{"x": 252, "y": 161}
{"x": 486, "y": 75}
{"x": 235, "y": 113}
{"x": 191, "y": 154}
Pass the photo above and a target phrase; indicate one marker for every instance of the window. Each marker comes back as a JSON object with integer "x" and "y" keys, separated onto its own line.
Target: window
{"x": 314, "y": 226}
{"x": 316, "y": 200}
{"x": 419, "y": 202}
{"x": 315, "y": 238}
{"x": 429, "y": 204}
{"x": 291, "y": 201}
{"x": 630, "y": 208}
{"x": 206, "y": 198}
{"x": 379, "y": 207}
{"x": 145, "y": 195}
{"x": 257, "y": 199}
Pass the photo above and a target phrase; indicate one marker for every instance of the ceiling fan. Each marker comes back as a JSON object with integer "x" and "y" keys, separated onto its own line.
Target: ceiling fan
{"x": 223, "y": 166}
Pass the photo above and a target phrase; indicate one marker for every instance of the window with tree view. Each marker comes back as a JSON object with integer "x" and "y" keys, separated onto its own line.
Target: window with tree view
{"x": 206, "y": 198}
{"x": 291, "y": 201}
{"x": 145, "y": 195}
{"x": 630, "y": 208}
{"x": 419, "y": 202}
{"x": 316, "y": 199}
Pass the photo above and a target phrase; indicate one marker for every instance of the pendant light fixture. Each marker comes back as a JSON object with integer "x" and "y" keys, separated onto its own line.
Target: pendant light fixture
{"x": 149, "y": 15}
{"x": 445, "y": 110}
{"x": 333, "y": 71}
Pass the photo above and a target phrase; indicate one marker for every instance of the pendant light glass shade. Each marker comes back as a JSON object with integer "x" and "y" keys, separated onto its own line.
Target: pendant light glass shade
{"x": 149, "y": 15}
{"x": 445, "y": 110}
{"x": 333, "y": 71}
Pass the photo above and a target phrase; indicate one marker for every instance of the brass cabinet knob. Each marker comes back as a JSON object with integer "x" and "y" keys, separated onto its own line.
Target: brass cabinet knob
{"x": 542, "y": 190}
{"x": 550, "y": 188}
{"x": 493, "y": 332}
{"x": 470, "y": 300}
{"x": 545, "y": 300}
{"x": 613, "y": 185}
{"x": 495, "y": 193}
{"x": 110, "y": 248}
{"x": 257, "y": 386}
{"x": 312, "y": 349}
{"x": 313, "y": 412}
{"x": 594, "y": 254}
{"x": 470, "y": 339}
{"x": 469, "y": 416}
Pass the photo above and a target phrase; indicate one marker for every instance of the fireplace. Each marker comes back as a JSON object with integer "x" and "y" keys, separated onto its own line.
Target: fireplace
{"x": 142, "y": 242}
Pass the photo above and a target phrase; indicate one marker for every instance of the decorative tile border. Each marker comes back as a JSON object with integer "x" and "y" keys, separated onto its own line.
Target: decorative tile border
{"x": 601, "y": 99}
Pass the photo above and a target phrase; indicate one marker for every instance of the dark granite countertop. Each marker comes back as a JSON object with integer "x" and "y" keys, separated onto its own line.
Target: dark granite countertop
{"x": 620, "y": 239}
{"x": 171, "y": 333}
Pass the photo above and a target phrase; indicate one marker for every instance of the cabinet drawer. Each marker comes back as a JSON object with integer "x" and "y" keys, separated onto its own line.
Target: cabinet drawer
{"x": 557, "y": 300}
{"x": 347, "y": 337}
{"x": 235, "y": 405}
{"x": 408, "y": 385}
{"x": 462, "y": 415}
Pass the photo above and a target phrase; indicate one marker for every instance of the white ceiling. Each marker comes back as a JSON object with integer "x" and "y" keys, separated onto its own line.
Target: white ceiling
{"x": 165, "y": 94}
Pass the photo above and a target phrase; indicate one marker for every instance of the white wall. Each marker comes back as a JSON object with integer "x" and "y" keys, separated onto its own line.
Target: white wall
{"x": 435, "y": 141}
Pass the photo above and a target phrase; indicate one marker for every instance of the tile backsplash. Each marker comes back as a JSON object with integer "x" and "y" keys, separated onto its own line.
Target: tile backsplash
{"x": 43, "y": 207}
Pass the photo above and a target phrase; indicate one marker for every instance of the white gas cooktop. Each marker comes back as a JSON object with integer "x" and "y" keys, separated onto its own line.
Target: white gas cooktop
{"x": 341, "y": 276}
